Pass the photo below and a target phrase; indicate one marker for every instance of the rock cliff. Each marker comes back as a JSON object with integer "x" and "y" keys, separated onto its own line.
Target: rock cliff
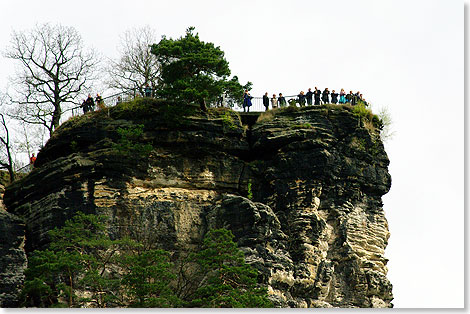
{"x": 300, "y": 189}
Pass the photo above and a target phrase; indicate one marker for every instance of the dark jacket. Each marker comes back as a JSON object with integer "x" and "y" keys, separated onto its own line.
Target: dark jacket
{"x": 317, "y": 94}
{"x": 334, "y": 97}
{"x": 325, "y": 96}
{"x": 309, "y": 95}
{"x": 265, "y": 101}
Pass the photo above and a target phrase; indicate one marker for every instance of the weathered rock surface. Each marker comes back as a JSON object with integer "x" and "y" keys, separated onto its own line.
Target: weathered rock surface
{"x": 12, "y": 258}
{"x": 315, "y": 227}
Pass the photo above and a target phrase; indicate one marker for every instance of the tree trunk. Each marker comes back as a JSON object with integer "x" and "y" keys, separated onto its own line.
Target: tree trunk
{"x": 202, "y": 103}
{"x": 55, "y": 119}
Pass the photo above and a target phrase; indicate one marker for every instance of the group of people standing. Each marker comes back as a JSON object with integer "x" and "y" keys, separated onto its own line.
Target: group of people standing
{"x": 324, "y": 97}
{"x": 89, "y": 103}
{"x": 316, "y": 97}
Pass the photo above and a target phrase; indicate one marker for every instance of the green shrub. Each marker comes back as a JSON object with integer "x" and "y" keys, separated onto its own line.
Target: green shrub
{"x": 362, "y": 112}
{"x": 128, "y": 143}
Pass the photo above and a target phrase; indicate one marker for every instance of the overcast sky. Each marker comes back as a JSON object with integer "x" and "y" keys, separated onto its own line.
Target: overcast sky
{"x": 406, "y": 55}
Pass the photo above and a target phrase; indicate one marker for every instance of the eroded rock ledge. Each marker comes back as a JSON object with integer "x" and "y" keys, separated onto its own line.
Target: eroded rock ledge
{"x": 315, "y": 227}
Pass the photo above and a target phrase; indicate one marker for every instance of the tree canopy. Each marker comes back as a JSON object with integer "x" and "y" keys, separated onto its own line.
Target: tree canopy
{"x": 194, "y": 71}
{"x": 84, "y": 267}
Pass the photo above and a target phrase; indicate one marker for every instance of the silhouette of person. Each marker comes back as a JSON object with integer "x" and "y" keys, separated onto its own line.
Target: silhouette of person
{"x": 309, "y": 96}
{"x": 317, "y": 94}
{"x": 301, "y": 97}
{"x": 282, "y": 100}
{"x": 246, "y": 101}
{"x": 334, "y": 97}
{"x": 325, "y": 97}
{"x": 266, "y": 101}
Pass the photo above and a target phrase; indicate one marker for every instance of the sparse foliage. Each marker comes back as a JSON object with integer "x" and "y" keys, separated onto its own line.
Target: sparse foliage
{"x": 6, "y": 157}
{"x": 385, "y": 117}
{"x": 137, "y": 66}
{"x": 54, "y": 70}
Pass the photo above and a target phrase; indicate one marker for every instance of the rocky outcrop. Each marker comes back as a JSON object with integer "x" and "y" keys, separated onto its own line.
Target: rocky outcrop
{"x": 314, "y": 227}
{"x": 12, "y": 258}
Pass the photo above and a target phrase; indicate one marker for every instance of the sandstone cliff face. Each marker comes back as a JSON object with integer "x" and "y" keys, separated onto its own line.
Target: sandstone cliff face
{"x": 12, "y": 257}
{"x": 315, "y": 227}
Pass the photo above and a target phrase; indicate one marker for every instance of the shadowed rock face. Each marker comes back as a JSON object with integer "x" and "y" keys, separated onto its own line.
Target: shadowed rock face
{"x": 314, "y": 228}
{"x": 12, "y": 258}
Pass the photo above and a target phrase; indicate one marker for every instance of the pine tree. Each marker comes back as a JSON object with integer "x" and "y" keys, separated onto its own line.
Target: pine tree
{"x": 227, "y": 280}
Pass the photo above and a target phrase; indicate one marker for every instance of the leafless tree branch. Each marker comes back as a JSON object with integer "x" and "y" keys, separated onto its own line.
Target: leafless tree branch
{"x": 55, "y": 70}
{"x": 137, "y": 66}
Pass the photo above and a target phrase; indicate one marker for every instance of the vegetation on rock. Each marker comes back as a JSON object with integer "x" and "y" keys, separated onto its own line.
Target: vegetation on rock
{"x": 194, "y": 71}
{"x": 84, "y": 267}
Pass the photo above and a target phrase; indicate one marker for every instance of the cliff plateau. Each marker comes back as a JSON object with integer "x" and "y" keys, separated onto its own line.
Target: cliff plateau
{"x": 300, "y": 189}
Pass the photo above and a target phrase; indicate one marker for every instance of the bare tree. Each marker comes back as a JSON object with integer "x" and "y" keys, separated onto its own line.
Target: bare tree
{"x": 137, "y": 66}
{"x": 6, "y": 157}
{"x": 55, "y": 70}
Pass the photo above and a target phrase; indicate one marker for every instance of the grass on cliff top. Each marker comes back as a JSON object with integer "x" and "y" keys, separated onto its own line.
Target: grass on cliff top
{"x": 371, "y": 121}
{"x": 230, "y": 119}
{"x": 139, "y": 109}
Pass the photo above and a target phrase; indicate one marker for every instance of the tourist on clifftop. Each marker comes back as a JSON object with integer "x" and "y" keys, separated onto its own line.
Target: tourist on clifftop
{"x": 317, "y": 94}
{"x": 309, "y": 96}
{"x": 353, "y": 99}
{"x": 266, "y": 101}
{"x": 301, "y": 97}
{"x": 246, "y": 101}
{"x": 148, "y": 91}
{"x": 334, "y": 97}
{"x": 282, "y": 100}
{"x": 342, "y": 99}
{"x": 90, "y": 103}
{"x": 325, "y": 97}
{"x": 349, "y": 97}
{"x": 274, "y": 101}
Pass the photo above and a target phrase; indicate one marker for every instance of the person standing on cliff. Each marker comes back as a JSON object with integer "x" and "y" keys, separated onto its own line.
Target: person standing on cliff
{"x": 353, "y": 99}
{"x": 90, "y": 103}
{"x": 246, "y": 101}
{"x": 301, "y": 98}
{"x": 342, "y": 99}
{"x": 349, "y": 97}
{"x": 266, "y": 101}
{"x": 32, "y": 160}
{"x": 325, "y": 97}
{"x": 317, "y": 94}
{"x": 309, "y": 96}
{"x": 147, "y": 90}
{"x": 334, "y": 97}
{"x": 84, "y": 106}
{"x": 282, "y": 100}
{"x": 274, "y": 101}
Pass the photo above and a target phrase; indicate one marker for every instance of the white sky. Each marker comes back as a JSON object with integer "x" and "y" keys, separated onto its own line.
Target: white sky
{"x": 406, "y": 55}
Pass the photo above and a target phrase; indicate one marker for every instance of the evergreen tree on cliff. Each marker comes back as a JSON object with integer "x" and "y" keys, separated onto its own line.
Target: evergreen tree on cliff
{"x": 194, "y": 71}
